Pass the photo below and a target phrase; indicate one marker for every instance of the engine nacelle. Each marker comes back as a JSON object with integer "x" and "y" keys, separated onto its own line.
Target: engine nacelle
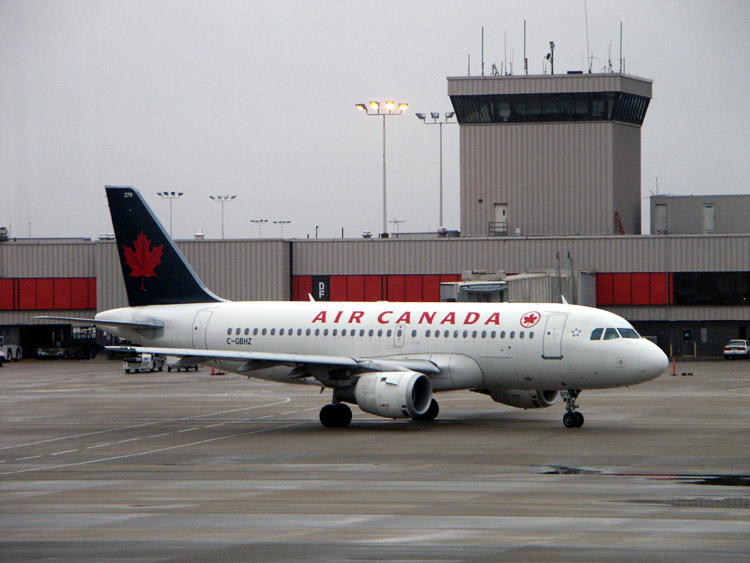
{"x": 524, "y": 398}
{"x": 394, "y": 394}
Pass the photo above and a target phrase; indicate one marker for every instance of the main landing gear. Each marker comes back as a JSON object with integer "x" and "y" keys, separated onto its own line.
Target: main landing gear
{"x": 572, "y": 418}
{"x": 335, "y": 415}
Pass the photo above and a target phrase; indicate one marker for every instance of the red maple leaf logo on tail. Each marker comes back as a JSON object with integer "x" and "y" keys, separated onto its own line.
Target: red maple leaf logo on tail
{"x": 142, "y": 259}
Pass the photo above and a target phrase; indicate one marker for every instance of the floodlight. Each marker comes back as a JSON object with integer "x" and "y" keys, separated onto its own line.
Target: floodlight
{"x": 389, "y": 105}
{"x": 361, "y": 107}
{"x": 420, "y": 116}
{"x": 449, "y": 114}
{"x": 435, "y": 115}
{"x": 375, "y": 106}
{"x": 403, "y": 107}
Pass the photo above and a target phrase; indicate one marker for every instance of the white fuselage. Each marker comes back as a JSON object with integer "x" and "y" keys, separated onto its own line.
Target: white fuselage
{"x": 475, "y": 345}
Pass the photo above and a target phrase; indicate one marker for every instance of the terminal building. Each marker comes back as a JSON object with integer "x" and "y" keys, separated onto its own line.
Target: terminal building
{"x": 550, "y": 185}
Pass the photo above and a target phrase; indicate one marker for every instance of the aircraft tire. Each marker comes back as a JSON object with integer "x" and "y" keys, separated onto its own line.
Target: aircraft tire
{"x": 335, "y": 416}
{"x": 579, "y": 419}
{"x": 569, "y": 420}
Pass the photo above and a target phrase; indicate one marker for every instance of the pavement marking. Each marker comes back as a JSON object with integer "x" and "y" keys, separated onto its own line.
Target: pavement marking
{"x": 30, "y": 457}
{"x": 217, "y": 424}
{"x": 128, "y": 440}
{"x": 187, "y": 430}
{"x": 286, "y": 400}
{"x": 65, "y": 452}
{"x": 99, "y": 446}
{"x": 158, "y": 450}
{"x": 267, "y": 416}
{"x": 159, "y": 435}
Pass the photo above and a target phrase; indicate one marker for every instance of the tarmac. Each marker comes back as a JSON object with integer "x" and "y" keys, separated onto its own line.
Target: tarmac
{"x": 99, "y": 465}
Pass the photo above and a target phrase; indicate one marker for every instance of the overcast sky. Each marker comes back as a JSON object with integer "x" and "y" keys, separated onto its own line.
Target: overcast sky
{"x": 257, "y": 99}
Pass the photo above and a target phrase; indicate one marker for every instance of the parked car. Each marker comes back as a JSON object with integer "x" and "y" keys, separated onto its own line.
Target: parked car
{"x": 737, "y": 349}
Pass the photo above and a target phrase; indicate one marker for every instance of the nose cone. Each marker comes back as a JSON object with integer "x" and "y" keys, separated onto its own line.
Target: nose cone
{"x": 652, "y": 361}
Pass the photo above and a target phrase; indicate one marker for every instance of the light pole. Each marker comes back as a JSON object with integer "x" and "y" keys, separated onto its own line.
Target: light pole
{"x": 374, "y": 110}
{"x": 222, "y": 199}
{"x": 171, "y": 196}
{"x": 260, "y": 225}
{"x": 281, "y": 226}
{"x": 436, "y": 121}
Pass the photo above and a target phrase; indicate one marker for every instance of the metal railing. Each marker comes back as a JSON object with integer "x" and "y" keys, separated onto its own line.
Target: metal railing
{"x": 498, "y": 228}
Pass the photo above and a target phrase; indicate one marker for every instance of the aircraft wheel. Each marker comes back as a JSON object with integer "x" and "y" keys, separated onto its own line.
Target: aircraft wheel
{"x": 579, "y": 419}
{"x": 431, "y": 413}
{"x": 335, "y": 416}
{"x": 569, "y": 420}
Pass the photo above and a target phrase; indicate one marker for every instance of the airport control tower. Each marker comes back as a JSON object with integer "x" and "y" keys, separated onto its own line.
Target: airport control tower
{"x": 550, "y": 154}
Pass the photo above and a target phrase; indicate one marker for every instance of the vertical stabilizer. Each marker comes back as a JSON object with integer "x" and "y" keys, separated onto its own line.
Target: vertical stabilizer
{"x": 154, "y": 270}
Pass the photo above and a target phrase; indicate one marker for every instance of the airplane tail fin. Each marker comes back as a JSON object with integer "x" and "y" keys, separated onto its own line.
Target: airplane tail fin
{"x": 154, "y": 270}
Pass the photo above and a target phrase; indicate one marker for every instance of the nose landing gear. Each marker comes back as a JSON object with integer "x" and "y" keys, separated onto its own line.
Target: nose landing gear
{"x": 572, "y": 418}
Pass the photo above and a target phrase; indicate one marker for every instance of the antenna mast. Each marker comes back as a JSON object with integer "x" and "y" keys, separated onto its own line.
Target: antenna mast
{"x": 482, "y": 50}
{"x": 525, "y": 60}
{"x": 620, "y": 47}
{"x": 588, "y": 51}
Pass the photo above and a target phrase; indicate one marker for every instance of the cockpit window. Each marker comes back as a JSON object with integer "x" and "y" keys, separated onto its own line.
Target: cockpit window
{"x": 596, "y": 334}
{"x": 628, "y": 333}
{"x": 611, "y": 334}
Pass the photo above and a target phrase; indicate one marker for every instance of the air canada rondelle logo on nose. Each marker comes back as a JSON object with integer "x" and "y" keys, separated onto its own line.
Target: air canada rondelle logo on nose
{"x": 530, "y": 319}
{"x": 142, "y": 259}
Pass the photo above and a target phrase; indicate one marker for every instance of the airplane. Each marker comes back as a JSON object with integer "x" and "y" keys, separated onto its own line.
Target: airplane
{"x": 388, "y": 358}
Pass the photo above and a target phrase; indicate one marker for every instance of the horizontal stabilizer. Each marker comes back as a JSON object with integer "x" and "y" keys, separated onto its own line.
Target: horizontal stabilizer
{"x": 141, "y": 325}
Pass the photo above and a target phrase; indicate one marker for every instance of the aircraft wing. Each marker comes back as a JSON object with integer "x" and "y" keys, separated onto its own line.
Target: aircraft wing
{"x": 260, "y": 360}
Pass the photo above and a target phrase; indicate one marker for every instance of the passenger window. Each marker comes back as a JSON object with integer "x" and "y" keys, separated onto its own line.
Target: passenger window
{"x": 413, "y": 333}
{"x": 447, "y": 333}
{"x": 263, "y": 332}
{"x": 229, "y": 332}
{"x": 281, "y": 332}
{"x": 437, "y": 334}
{"x": 273, "y": 331}
{"x": 237, "y": 332}
{"x": 307, "y": 332}
{"x": 611, "y": 334}
{"x": 474, "y": 334}
{"x": 317, "y": 332}
{"x": 427, "y": 333}
{"x": 371, "y": 333}
{"x": 466, "y": 333}
{"x": 520, "y": 334}
{"x": 493, "y": 334}
{"x": 247, "y": 331}
{"x": 325, "y": 332}
{"x": 512, "y": 333}
{"x": 484, "y": 334}
{"x": 335, "y": 332}
{"x": 380, "y": 332}
{"x": 255, "y": 332}
{"x": 502, "y": 334}
{"x": 361, "y": 333}
{"x": 596, "y": 334}
{"x": 343, "y": 332}
{"x": 389, "y": 332}
{"x": 299, "y": 332}
{"x": 531, "y": 334}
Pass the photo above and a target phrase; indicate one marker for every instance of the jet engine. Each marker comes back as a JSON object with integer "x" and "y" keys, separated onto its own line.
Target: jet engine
{"x": 524, "y": 398}
{"x": 394, "y": 394}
